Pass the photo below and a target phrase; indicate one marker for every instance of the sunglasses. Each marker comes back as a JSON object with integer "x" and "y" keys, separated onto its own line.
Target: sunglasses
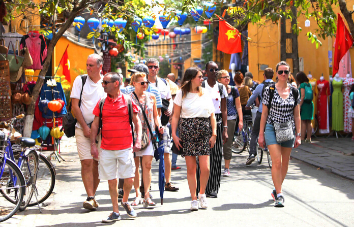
{"x": 283, "y": 71}
{"x": 107, "y": 82}
{"x": 153, "y": 66}
{"x": 213, "y": 70}
{"x": 144, "y": 82}
{"x": 225, "y": 77}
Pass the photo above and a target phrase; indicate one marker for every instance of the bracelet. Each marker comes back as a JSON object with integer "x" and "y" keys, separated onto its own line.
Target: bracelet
{"x": 214, "y": 135}
{"x": 225, "y": 126}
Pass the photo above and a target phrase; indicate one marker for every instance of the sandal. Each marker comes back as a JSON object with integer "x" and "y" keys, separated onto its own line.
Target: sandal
{"x": 136, "y": 201}
{"x": 148, "y": 203}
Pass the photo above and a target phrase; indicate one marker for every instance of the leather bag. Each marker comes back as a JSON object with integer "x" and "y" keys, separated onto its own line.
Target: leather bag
{"x": 15, "y": 62}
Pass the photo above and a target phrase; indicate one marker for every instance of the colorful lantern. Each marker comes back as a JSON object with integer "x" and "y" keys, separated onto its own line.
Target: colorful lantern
{"x": 164, "y": 21}
{"x": 136, "y": 23}
{"x": 198, "y": 29}
{"x": 181, "y": 17}
{"x": 155, "y": 36}
{"x": 93, "y": 24}
{"x": 44, "y": 132}
{"x": 164, "y": 32}
{"x": 62, "y": 105}
{"x": 204, "y": 29}
{"x": 56, "y": 133}
{"x": 183, "y": 31}
{"x": 54, "y": 105}
{"x": 196, "y": 13}
{"x": 120, "y": 23}
{"x": 187, "y": 31}
{"x": 35, "y": 134}
{"x": 43, "y": 105}
{"x": 140, "y": 35}
{"x": 210, "y": 9}
{"x": 113, "y": 52}
{"x": 156, "y": 29}
{"x": 109, "y": 23}
{"x": 206, "y": 22}
{"x": 148, "y": 22}
{"x": 177, "y": 31}
{"x": 78, "y": 24}
{"x": 172, "y": 35}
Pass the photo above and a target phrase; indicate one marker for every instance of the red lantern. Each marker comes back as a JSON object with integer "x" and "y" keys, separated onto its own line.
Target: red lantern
{"x": 164, "y": 32}
{"x": 113, "y": 52}
{"x": 172, "y": 35}
{"x": 140, "y": 35}
{"x": 157, "y": 30}
{"x": 120, "y": 48}
{"x": 62, "y": 105}
{"x": 206, "y": 22}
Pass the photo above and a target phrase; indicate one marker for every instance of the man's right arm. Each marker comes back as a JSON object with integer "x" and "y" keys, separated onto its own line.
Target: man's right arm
{"x": 255, "y": 94}
{"x": 78, "y": 115}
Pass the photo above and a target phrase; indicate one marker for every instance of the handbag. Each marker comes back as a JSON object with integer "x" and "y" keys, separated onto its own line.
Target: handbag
{"x": 177, "y": 151}
{"x": 15, "y": 62}
{"x": 283, "y": 131}
{"x": 3, "y": 48}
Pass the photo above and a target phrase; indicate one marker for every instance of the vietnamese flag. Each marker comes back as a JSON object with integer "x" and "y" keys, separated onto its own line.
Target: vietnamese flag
{"x": 229, "y": 38}
{"x": 343, "y": 42}
{"x": 66, "y": 65}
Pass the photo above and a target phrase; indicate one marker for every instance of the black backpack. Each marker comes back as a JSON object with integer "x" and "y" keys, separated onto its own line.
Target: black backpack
{"x": 271, "y": 95}
{"x": 219, "y": 85}
{"x": 266, "y": 84}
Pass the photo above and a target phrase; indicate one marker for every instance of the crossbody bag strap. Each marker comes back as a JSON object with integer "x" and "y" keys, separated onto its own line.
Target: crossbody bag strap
{"x": 83, "y": 79}
{"x": 130, "y": 112}
{"x": 146, "y": 120}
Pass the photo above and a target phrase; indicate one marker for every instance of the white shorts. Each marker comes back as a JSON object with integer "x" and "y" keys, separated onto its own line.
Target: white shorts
{"x": 148, "y": 151}
{"x": 84, "y": 145}
{"x": 114, "y": 164}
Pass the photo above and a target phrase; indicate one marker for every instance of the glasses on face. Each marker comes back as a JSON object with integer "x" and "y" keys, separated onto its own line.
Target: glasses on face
{"x": 105, "y": 82}
{"x": 89, "y": 65}
{"x": 283, "y": 71}
{"x": 153, "y": 66}
{"x": 213, "y": 70}
{"x": 144, "y": 82}
{"x": 225, "y": 77}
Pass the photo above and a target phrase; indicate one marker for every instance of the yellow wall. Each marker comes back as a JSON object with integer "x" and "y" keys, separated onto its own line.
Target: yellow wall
{"x": 77, "y": 57}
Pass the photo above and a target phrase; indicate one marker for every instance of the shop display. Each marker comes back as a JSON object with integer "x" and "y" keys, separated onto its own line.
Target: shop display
{"x": 5, "y": 90}
{"x": 337, "y": 104}
{"x": 322, "y": 105}
{"x": 37, "y": 47}
{"x": 347, "y": 83}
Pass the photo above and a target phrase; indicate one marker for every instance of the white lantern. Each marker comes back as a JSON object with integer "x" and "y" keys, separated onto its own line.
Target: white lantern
{"x": 307, "y": 23}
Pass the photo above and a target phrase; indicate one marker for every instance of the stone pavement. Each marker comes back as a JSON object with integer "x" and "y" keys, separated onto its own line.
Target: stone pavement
{"x": 331, "y": 154}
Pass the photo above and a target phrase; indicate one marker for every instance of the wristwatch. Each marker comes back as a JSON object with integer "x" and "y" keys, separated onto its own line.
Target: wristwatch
{"x": 298, "y": 134}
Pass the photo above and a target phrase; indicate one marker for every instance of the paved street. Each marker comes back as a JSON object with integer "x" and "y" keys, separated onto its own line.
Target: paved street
{"x": 313, "y": 196}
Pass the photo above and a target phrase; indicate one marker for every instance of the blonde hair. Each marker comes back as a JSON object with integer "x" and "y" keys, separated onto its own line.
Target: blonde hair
{"x": 135, "y": 77}
{"x": 248, "y": 82}
{"x": 220, "y": 73}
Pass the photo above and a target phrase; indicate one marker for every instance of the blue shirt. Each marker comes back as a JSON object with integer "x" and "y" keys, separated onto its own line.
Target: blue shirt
{"x": 129, "y": 89}
{"x": 257, "y": 92}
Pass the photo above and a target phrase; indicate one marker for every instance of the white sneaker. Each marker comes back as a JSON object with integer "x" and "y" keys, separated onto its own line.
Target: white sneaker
{"x": 194, "y": 205}
{"x": 226, "y": 173}
{"x": 202, "y": 201}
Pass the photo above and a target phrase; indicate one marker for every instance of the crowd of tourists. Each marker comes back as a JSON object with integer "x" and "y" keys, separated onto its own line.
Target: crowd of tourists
{"x": 118, "y": 123}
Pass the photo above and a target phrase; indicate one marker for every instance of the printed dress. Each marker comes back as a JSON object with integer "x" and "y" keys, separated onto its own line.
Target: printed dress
{"x": 347, "y": 103}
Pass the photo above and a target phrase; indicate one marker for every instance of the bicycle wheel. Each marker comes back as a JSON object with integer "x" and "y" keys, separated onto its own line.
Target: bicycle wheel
{"x": 45, "y": 181}
{"x": 269, "y": 159}
{"x": 240, "y": 143}
{"x": 12, "y": 187}
{"x": 259, "y": 154}
{"x": 29, "y": 167}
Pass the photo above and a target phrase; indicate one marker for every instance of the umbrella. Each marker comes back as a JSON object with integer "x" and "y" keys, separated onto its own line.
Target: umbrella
{"x": 161, "y": 170}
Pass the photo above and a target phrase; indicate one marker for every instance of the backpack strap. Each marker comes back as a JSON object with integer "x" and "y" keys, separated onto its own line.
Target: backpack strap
{"x": 130, "y": 111}
{"x": 83, "y": 79}
{"x": 203, "y": 83}
{"x": 100, "y": 120}
{"x": 164, "y": 80}
{"x": 295, "y": 94}
{"x": 271, "y": 95}
{"x": 221, "y": 88}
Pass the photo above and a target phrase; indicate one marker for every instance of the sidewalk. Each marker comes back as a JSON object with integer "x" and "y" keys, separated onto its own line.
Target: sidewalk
{"x": 332, "y": 154}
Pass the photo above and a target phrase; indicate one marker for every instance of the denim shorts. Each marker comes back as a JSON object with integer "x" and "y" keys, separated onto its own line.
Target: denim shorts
{"x": 269, "y": 136}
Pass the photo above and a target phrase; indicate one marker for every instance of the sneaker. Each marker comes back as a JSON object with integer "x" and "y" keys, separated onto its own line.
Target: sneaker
{"x": 130, "y": 211}
{"x": 176, "y": 168}
{"x": 194, "y": 205}
{"x": 148, "y": 203}
{"x": 136, "y": 201}
{"x": 226, "y": 173}
{"x": 120, "y": 193}
{"x": 250, "y": 159}
{"x": 274, "y": 195}
{"x": 90, "y": 205}
{"x": 112, "y": 217}
{"x": 203, "y": 202}
{"x": 170, "y": 187}
{"x": 279, "y": 202}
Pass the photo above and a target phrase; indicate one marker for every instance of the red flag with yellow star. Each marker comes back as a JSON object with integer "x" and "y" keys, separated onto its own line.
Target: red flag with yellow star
{"x": 229, "y": 38}
{"x": 66, "y": 65}
{"x": 343, "y": 42}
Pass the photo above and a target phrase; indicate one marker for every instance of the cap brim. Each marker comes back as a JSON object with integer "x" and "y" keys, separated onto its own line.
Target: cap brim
{"x": 132, "y": 71}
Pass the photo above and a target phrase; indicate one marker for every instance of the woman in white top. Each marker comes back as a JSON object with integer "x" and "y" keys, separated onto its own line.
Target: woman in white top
{"x": 194, "y": 115}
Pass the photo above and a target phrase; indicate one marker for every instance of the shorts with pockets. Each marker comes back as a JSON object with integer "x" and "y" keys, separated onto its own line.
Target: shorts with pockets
{"x": 83, "y": 145}
{"x": 269, "y": 136}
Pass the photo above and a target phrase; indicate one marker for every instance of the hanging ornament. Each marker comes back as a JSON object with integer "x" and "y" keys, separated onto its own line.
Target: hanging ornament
{"x": 209, "y": 9}
{"x": 107, "y": 22}
{"x": 93, "y": 25}
{"x": 54, "y": 105}
{"x": 172, "y": 35}
{"x": 164, "y": 21}
{"x": 155, "y": 36}
{"x": 204, "y": 29}
{"x": 62, "y": 105}
{"x": 198, "y": 29}
{"x": 44, "y": 132}
{"x": 148, "y": 22}
{"x": 140, "y": 35}
{"x": 187, "y": 31}
{"x": 177, "y": 31}
{"x": 113, "y": 52}
{"x": 181, "y": 17}
{"x": 78, "y": 24}
{"x": 156, "y": 29}
{"x": 120, "y": 23}
{"x": 136, "y": 24}
{"x": 206, "y": 22}
{"x": 43, "y": 105}
{"x": 183, "y": 31}
{"x": 164, "y": 32}
{"x": 307, "y": 23}
{"x": 196, "y": 13}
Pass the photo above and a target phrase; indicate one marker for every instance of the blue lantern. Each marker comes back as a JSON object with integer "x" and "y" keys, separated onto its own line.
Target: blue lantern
{"x": 187, "y": 31}
{"x": 183, "y": 31}
{"x": 155, "y": 36}
{"x": 177, "y": 31}
{"x": 44, "y": 132}
{"x": 93, "y": 24}
{"x": 136, "y": 23}
{"x": 78, "y": 24}
{"x": 110, "y": 23}
{"x": 181, "y": 17}
{"x": 48, "y": 34}
{"x": 35, "y": 134}
{"x": 196, "y": 13}
{"x": 164, "y": 21}
{"x": 120, "y": 23}
{"x": 210, "y": 9}
{"x": 43, "y": 105}
{"x": 148, "y": 22}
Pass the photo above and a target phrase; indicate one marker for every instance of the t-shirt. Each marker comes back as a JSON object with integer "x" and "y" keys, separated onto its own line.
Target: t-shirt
{"x": 231, "y": 108}
{"x": 245, "y": 94}
{"x": 282, "y": 110}
{"x": 129, "y": 89}
{"x": 163, "y": 88}
{"x": 215, "y": 95}
{"x": 116, "y": 130}
{"x": 194, "y": 105}
{"x": 91, "y": 94}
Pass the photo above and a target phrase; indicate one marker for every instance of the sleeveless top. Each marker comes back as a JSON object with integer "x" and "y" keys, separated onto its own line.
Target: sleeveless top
{"x": 149, "y": 112}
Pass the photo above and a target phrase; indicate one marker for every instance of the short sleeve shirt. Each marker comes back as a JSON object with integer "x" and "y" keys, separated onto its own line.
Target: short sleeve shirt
{"x": 91, "y": 94}
{"x": 163, "y": 87}
{"x": 215, "y": 95}
{"x": 281, "y": 110}
{"x": 116, "y": 129}
{"x": 231, "y": 108}
{"x": 129, "y": 89}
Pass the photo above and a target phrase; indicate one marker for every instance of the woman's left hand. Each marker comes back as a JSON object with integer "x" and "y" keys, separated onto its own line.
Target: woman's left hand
{"x": 240, "y": 125}
{"x": 212, "y": 141}
{"x": 297, "y": 141}
{"x": 161, "y": 130}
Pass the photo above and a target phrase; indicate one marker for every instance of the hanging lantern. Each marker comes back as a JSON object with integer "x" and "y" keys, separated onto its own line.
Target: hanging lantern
{"x": 210, "y": 9}
{"x": 155, "y": 36}
{"x": 120, "y": 23}
{"x": 172, "y": 35}
{"x": 183, "y": 31}
{"x": 187, "y": 31}
{"x": 198, "y": 29}
{"x": 164, "y": 21}
{"x": 78, "y": 24}
{"x": 62, "y": 105}
{"x": 307, "y": 23}
{"x": 35, "y": 134}
{"x": 54, "y": 105}
{"x": 140, "y": 35}
{"x": 196, "y": 13}
{"x": 44, "y": 132}
{"x": 93, "y": 24}
{"x": 156, "y": 29}
{"x": 107, "y": 22}
{"x": 206, "y": 22}
{"x": 181, "y": 17}
{"x": 177, "y": 31}
{"x": 204, "y": 29}
{"x": 113, "y": 52}
{"x": 164, "y": 32}
{"x": 43, "y": 105}
{"x": 136, "y": 23}
{"x": 148, "y": 22}
{"x": 56, "y": 133}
